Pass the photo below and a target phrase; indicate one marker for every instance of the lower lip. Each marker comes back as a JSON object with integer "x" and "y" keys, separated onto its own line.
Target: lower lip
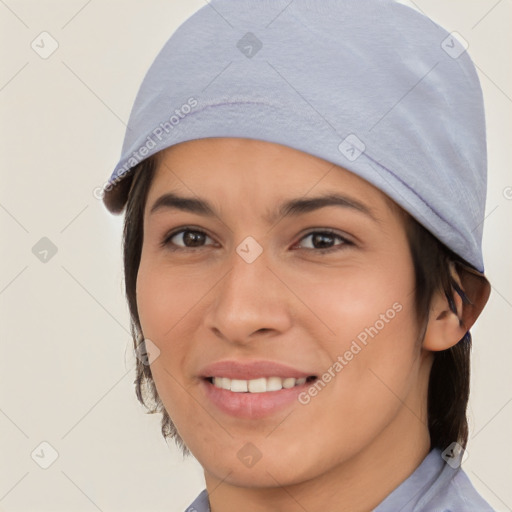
{"x": 252, "y": 405}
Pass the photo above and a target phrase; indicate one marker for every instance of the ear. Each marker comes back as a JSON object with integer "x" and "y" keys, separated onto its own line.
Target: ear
{"x": 448, "y": 323}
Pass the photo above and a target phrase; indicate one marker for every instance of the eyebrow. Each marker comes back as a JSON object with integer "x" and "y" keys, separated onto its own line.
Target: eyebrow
{"x": 292, "y": 207}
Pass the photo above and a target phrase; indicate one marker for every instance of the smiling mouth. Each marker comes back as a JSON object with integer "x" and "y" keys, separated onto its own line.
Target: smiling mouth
{"x": 260, "y": 385}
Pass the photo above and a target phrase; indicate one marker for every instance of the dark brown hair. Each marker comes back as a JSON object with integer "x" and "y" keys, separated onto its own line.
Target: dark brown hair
{"x": 448, "y": 390}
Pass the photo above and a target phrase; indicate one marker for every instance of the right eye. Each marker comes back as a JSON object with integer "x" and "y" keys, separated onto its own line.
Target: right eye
{"x": 187, "y": 238}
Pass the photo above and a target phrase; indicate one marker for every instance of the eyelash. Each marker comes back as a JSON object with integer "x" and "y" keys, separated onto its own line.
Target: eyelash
{"x": 166, "y": 242}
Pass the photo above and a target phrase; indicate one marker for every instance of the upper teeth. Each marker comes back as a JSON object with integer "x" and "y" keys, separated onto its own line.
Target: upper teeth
{"x": 257, "y": 385}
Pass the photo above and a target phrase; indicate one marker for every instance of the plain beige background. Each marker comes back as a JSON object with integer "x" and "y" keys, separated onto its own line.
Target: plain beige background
{"x": 66, "y": 363}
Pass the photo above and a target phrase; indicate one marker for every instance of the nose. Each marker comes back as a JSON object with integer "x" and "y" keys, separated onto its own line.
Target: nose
{"x": 250, "y": 302}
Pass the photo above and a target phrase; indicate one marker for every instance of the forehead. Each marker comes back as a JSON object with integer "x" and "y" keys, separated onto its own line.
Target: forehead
{"x": 261, "y": 172}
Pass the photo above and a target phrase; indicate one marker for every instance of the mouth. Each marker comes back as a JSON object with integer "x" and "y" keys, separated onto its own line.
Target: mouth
{"x": 257, "y": 398}
{"x": 259, "y": 385}
{"x": 253, "y": 389}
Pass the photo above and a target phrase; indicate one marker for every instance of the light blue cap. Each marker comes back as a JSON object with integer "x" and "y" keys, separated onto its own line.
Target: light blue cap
{"x": 370, "y": 85}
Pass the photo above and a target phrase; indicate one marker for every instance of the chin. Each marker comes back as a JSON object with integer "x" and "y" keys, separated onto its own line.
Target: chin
{"x": 257, "y": 477}
{"x": 251, "y": 469}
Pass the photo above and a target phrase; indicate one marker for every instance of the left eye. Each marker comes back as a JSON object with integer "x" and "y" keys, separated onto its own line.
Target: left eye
{"x": 324, "y": 241}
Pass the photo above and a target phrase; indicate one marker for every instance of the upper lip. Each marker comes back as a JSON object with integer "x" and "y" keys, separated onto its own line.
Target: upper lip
{"x": 247, "y": 370}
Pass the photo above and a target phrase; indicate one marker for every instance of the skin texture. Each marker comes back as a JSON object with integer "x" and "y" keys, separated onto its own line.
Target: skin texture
{"x": 366, "y": 430}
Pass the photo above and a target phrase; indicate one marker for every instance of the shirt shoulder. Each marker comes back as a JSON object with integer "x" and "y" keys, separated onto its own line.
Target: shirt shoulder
{"x": 200, "y": 504}
{"x": 435, "y": 486}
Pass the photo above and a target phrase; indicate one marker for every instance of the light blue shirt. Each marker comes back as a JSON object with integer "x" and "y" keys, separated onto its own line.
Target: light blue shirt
{"x": 433, "y": 487}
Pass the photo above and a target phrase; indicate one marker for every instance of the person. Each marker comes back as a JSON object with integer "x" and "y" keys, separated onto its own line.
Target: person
{"x": 304, "y": 191}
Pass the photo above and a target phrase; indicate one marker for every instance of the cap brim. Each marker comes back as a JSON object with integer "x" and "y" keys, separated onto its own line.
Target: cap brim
{"x": 116, "y": 196}
{"x": 477, "y": 288}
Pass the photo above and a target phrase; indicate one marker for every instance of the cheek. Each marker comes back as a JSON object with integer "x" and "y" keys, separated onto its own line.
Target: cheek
{"x": 167, "y": 302}
{"x": 165, "y": 297}
{"x": 358, "y": 301}
{"x": 369, "y": 332}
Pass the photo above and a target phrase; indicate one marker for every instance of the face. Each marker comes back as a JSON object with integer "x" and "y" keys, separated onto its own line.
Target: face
{"x": 265, "y": 267}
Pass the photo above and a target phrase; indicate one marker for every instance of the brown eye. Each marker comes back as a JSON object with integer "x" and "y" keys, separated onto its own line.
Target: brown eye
{"x": 186, "y": 238}
{"x": 324, "y": 241}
